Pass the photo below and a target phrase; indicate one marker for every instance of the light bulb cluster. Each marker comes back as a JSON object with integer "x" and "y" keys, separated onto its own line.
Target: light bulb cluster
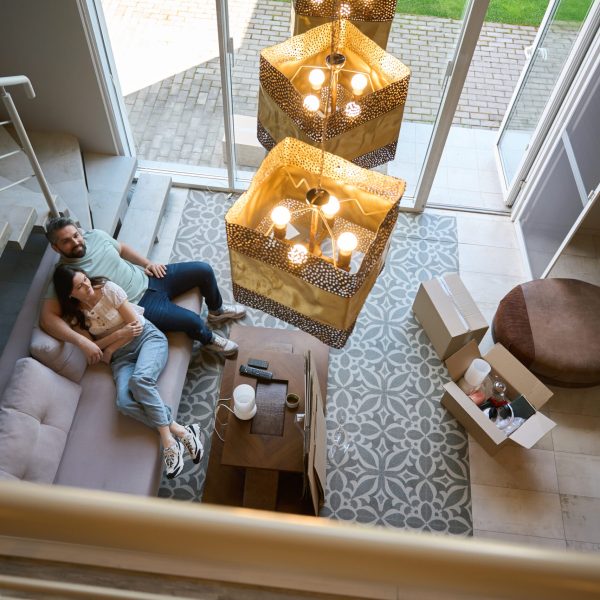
{"x": 317, "y": 78}
{"x": 346, "y": 242}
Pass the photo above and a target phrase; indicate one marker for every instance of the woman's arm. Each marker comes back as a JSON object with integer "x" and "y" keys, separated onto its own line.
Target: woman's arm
{"x": 124, "y": 335}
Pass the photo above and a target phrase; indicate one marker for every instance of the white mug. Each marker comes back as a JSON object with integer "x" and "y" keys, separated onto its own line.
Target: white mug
{"x": 244, "y": 404}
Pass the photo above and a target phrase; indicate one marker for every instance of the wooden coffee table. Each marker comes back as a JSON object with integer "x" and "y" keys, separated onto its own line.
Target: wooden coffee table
{"x": 248, "y": 468}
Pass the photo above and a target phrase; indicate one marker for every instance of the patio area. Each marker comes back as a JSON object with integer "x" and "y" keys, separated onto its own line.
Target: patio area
{"x": 167, "y": 58}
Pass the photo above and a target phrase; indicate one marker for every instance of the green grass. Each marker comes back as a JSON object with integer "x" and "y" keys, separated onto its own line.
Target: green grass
{"x": 514, "y": 12}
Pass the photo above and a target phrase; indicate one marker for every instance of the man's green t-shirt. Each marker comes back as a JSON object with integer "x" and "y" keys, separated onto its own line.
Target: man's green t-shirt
{"x": 102, "y": 259}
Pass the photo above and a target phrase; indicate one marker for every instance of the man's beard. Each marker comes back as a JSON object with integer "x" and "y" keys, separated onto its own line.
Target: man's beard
{"x": 78, "y": 252}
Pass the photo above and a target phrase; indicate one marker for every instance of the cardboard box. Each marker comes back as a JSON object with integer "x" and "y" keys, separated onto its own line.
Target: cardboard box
{"x": 448, "y": 314}
{"x": 519, "y": 380}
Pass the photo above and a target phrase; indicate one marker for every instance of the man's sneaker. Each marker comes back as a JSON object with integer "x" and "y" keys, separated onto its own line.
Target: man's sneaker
{"x": 192, "y": 443}
{"x": 227, "y": 311}
{"x": 173, "y": 457}
{"x": 223, "y": 345}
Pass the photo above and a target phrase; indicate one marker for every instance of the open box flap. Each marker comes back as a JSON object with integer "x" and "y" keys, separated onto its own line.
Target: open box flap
{"x": 533, "y": 430}
{"x": 511, "y": 369}
{"x": 459, "y": 362}
{"x": 465, "y": 410}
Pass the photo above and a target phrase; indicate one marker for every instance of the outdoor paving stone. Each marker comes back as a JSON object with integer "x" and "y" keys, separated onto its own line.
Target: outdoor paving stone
{"x": 188, "y": 99}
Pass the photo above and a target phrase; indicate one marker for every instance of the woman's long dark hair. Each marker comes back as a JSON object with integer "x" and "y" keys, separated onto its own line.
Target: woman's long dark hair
{"x": 63, "y": 284}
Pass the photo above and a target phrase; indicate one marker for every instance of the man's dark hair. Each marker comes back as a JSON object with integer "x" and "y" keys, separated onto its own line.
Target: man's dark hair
{"x": 56, "y": 224}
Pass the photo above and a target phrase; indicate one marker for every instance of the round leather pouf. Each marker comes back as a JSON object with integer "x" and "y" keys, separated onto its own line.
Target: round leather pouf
{"x": 553, "y": 327}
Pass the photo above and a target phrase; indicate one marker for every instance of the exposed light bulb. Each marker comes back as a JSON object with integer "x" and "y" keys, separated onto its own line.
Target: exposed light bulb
{"x": 330, "y": 209}
{"x": 345, "y": 10}
{"x": 298, "y": 254}
{"x": 359, "y": 82}
{"x": 346, "y": 242}
{"x": 316, "y": 78}
{"x": 352, "y": 110}
{"x": 280, "y": 216}
{"x": 311, "y": 103}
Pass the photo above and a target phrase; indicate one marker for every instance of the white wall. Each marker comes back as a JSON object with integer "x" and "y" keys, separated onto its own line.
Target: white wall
{"x": 45, "y": 40}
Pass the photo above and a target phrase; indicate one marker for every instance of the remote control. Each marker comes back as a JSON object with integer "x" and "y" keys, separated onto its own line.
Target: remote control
{"x": 258, "y": 373}
{"x": 257, "y": 363}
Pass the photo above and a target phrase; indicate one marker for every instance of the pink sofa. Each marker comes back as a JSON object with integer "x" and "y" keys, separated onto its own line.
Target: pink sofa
{"x": 58, "y": 420}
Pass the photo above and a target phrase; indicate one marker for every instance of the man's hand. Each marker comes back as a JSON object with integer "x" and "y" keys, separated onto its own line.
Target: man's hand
{"x": 156, "y": 270}
{"x": 92, "y": 353}
{"x": 131, "y": 330}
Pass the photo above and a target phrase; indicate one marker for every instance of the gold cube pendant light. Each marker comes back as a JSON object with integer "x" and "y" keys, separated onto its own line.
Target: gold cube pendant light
{"x": 346, "y": 97}
{"x": 372, "y": 17}
{"x": 309, "y": 238}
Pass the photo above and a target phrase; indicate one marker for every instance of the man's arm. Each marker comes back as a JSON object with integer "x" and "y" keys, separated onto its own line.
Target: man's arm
{"x": 52, "y": 323}
{"x": 151, "y": 269}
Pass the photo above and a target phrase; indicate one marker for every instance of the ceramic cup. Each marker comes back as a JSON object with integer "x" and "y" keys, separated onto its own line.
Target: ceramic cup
{"x": 292, "y": 400}
{"x": 244, "y": 403}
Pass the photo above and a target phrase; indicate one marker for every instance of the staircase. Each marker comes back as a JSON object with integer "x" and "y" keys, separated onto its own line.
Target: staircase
{"x": 91, "y": 188}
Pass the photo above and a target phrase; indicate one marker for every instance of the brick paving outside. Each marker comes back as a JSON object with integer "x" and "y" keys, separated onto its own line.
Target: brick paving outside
{"x": 179, "y": 119}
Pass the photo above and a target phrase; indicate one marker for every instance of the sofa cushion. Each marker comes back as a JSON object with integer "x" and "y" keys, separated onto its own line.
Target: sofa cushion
{"x": 62, "y": 357}
{"x": 36, "y": 412}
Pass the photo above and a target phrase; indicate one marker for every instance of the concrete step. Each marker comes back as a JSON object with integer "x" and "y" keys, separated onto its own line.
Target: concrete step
{"x": 108, "y": 180}
{"x": 143, "y": 217}
{"x": 22, "y": 196}
{"x": 4, "y": 235}
{"x": 21, "y": 220}
{"x": 60, "y": 158}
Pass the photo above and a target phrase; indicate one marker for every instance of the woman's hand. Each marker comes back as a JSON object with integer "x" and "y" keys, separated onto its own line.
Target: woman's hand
{"x": 131, "y": 330}
{"x": 107, "y": 356}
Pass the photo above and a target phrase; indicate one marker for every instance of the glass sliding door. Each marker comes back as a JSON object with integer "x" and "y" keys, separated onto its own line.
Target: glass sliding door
{"x": 167, "y": 59}
{"x": 552, "y": 48}
{"x": 565, "y": 182}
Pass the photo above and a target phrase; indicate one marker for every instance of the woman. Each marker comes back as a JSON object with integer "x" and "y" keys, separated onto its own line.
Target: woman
{"x": 137, "y": 352}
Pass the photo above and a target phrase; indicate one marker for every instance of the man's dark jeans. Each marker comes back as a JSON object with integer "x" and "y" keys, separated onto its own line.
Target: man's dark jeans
{"x": 180, "y": 278}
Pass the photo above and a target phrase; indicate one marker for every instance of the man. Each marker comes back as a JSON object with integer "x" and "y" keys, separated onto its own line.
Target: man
{"x": 150, "y": 285}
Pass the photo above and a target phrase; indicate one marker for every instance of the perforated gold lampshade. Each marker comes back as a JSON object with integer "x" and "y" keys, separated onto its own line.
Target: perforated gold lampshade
{"x": 372, "y": 17}
{"x": 368, "y": 139}
{"x": 315, "y": 295}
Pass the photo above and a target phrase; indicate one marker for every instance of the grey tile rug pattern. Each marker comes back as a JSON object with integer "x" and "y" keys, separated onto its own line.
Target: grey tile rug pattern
{"x": 396, "y": 457}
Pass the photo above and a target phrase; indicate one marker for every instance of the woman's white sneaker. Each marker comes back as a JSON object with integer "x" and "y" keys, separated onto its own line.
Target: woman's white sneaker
{"x": 173, "y": 457}
{"x": 192, "y": 443}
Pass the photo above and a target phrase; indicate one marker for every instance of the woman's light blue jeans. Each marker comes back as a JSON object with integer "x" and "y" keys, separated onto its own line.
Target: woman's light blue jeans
{"x": 136, "y": 368}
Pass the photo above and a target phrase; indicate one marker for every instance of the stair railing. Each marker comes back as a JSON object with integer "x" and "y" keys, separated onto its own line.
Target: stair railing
{"x": 26, "y": 146}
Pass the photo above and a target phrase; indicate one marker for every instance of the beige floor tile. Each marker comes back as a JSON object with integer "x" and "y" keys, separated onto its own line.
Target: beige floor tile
{"x": 483, "y": 232}
{"x": 579, "y": 434}
{"x": 528, "y": 540}
{"x": 488, "y": 288}
{"x": 487, "y": 259}
{"x": 521, "y": 512}
{"x": 582, "y": 546}
{"x": 578, "y": 474}
{"x": 545, "y": 443}
{"x": 581, "y": 516}
{"x": 515, "y": 468}
{"x": 580, "y": 401}
{"x": 581, "y": 245}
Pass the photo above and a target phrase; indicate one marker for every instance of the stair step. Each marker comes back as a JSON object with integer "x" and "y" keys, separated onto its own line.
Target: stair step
{"x": 22, "y": 196}
{"x": 60, "y": 158}
{"x": 21, "y": 220}
{"x": 108, "y": 180}
{"x": 143, "y": 217}
{"x": 4, "y": 235}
